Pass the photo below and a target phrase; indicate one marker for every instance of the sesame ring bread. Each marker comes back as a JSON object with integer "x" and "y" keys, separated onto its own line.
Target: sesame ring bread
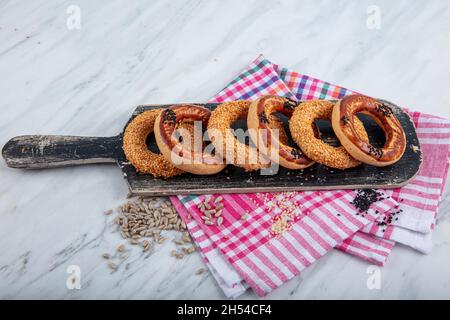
{"x": 303, "y": 131}
{"x": 190, "y": 160}
{"x": 137, "y": 152}
{"x": 260, "y": 121}
{"x": 225, "y": 141}
{"x": 343, "y": 121}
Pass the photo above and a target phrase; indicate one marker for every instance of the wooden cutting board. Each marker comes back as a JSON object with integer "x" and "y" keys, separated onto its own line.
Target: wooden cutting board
{"x": 41, "y": 152}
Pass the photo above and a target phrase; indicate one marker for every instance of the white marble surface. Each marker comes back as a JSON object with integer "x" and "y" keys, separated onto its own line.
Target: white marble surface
{"x": 87, "y": 82}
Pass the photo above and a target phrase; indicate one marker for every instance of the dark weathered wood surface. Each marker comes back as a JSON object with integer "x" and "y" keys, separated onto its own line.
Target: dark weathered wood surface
{"x": 317, "y": 177}
{"x": 36, "y": 152}
{"x": 40, "y": 151}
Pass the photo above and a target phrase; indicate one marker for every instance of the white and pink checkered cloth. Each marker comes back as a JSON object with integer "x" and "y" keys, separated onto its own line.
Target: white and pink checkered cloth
{"x": 242, "y": 253}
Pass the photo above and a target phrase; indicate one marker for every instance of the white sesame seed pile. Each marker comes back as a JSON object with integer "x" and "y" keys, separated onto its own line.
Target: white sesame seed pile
{"x": 285, "y": 210}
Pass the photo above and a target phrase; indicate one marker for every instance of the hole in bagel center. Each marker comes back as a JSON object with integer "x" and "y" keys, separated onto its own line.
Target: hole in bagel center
{"x": 151, "y": 143}
{"x": 285, "y": 120}
{"x": 153, "y": 146}
{"x": 240, "y": 132}
{"x": 327, "y": 134}
{"x": 377, "y": 137}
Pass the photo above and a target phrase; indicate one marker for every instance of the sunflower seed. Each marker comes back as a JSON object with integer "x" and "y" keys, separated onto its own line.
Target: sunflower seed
{"x": 244, "y": 216}
{"x": 106, "y": 256}
{"x": 186, "y": 238}
{"x": 219, "y": 206}
{"x": 112, "y": 265}
{"x": 121, "y": 248}
{"x": 219, "y": 221}
{"x": 200, "y": 271}
{"x": 188, "y": 250}
{"x": 108, "y": 212}
{"x": 218, "y": 199}
{"x": 179, "y": 256}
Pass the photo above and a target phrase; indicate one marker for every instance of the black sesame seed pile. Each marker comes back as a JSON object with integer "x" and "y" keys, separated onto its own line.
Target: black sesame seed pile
{"x": 364, "y": 199}
{"x": 389, "y": 218}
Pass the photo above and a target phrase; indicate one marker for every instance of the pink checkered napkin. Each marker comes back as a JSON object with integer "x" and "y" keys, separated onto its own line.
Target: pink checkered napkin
{"x": 419, "y": 200}
{"x": 267, "y": 82}
{"x": 361, "y": 245}
{"x": 262, "y": 77}
{"x": 243, "y": 258}
{"x": 264, "y": 261}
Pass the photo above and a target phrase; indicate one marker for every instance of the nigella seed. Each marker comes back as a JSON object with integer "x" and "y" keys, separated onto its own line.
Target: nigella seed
{"x": 296, "y": 153}
{"x": 376, "y": 152}
{"x": 290, "y": 104}
{"x": 169, "y": 116}
{"x": 263, "y": 118}
{"x": 365, "y": 198}
{"x": 384, "y": 110}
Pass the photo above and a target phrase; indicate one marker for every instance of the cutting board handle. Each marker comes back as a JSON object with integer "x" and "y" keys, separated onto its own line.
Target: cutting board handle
{"x": 44, "y": 151}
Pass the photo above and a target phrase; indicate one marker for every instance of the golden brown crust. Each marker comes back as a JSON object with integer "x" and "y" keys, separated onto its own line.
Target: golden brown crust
{"x": 226, "y": 143}
{"x": 185, "y": 158}
{"x": 343, "y": 121}
{"x": 137, "y": 152}
{"x": 261, "y": 121}
{"x": 301, "y": 126}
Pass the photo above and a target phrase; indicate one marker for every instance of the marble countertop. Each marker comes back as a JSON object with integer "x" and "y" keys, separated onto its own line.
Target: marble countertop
{"x": 58, "y": 79}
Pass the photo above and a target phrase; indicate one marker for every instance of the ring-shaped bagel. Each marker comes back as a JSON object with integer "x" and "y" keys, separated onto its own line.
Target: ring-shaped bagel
{"x": 224, "y": 139}
{"x": 260, "y": 122}
{"x": 137, "y": 152}
{"x": 303, "y": 131}
{"x": 186, "y": 159}
{"x": 343, "y": 121}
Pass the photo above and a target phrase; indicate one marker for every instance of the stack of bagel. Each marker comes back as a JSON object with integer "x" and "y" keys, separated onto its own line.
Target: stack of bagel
{"x": 181, "y": 153}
